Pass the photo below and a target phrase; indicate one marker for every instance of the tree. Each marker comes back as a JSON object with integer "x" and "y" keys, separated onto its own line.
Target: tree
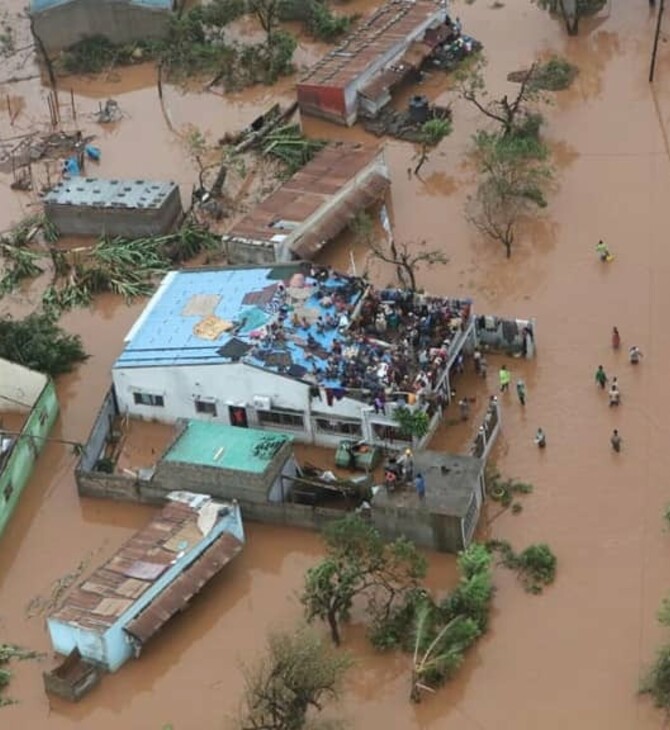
{"x": 38, "y": 343}
{"x": 411, "y": 423}
{"x": 267, "y": 12}
{"x": 297, "y": 674}
{"x": 358, "y": 562}
{"x": 515, "y": 178}
{"x": 406, "y": 257}
{"x": 571, "y": 11}
{"x": 432, "y": 133}
{"x": 510, "y": 114}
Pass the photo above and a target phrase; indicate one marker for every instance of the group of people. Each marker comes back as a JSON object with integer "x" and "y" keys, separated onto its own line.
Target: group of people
{"x": 400, "y": 470}
{"x": 614, "y": 393}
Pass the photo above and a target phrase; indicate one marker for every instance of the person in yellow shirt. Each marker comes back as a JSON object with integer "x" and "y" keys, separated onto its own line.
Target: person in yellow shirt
{"x": 505, "y": 378}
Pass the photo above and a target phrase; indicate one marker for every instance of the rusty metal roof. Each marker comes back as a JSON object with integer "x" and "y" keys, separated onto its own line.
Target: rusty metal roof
{"x": 97, "y": 602}
{"x": 175, "y": 597}
{"x": 331, "y": 169}
{"x": 361, "y": 197}
{"x": 389, "y": 26}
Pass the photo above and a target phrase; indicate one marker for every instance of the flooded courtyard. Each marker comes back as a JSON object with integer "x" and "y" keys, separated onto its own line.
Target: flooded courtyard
{"x": 572, "y": 657}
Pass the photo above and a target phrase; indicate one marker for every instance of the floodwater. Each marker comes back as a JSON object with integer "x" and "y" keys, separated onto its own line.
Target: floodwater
{"x": 569, "y": 658}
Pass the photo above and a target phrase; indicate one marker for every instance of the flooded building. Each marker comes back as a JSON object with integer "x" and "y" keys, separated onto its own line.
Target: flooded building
{"x": 359, "y": 75}
{"x": 93, "y": 207}
{"x": 292, "y": 348}
{"x": 60, "y": 24}
{"x": 110, "y": 615}
{"x": 312, "y": 207}
{"x": 28, "y": 410}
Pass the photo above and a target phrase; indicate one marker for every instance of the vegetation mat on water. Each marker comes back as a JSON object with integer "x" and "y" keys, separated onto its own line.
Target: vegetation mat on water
{"x": 535, "y": 565}
{"x": 7, "y": 653}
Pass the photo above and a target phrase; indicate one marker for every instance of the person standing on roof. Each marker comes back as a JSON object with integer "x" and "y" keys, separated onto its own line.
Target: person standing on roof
{"x": 420, "y": 485}
{"x": 505, "y": 378}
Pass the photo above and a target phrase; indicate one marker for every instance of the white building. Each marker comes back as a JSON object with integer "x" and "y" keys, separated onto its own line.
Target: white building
{"x": 257, "y": 347}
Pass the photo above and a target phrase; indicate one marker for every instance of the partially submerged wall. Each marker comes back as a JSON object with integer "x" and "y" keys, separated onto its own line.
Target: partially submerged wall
{"x": 65, "y": 24}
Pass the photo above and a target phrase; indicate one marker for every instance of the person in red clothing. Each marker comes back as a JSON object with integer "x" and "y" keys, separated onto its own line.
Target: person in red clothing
{"x": 616, "y": 338}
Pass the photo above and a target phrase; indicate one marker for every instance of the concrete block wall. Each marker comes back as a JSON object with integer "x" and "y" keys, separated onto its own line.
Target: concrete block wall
{"x": 89, "y": 220}
{"x": 64, "y": 25}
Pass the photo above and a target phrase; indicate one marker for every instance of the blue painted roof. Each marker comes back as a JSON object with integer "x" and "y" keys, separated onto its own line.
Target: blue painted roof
{"x": 38, "y": 5}
{"x": 246, "y": 299}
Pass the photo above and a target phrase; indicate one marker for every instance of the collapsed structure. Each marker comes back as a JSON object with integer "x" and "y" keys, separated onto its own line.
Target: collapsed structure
{"x": 28, "y": 410}
{"x": 310, "y": 208}
{"x": 359, "y": 75}
{"x": 60, "y": 24}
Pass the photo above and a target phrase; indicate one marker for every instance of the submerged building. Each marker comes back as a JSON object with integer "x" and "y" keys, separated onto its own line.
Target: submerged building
{"x": 312, "y": 207}
{"x": 292, "y": 348}
{"x": 60, "y": 24}
{"x": 28, "y": 410}
{"x": 359, "y": 75}
{"x": 110, "y": 615}
{"x": 86, "y": 206}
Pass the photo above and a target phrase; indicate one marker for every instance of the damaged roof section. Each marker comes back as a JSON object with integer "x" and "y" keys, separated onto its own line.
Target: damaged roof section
{"x": 393, "y": 24}
{"x": 151, "y": 577}
{"x": 313, "y": 206}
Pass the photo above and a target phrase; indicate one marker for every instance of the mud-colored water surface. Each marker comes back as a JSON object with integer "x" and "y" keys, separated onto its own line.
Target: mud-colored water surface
{"x": 569, "y": 658}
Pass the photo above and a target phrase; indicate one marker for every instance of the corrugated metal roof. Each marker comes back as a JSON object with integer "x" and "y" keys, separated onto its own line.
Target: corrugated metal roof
{"x": 308, "y": 190}
{"x": 177, "y": 595}
{"x": 37, "y": 6}
{"x": 360, "y": 198}
{"x": 97, "y": 602}
{"x": 98, "y": 193}
{"x": 391, "y": 25}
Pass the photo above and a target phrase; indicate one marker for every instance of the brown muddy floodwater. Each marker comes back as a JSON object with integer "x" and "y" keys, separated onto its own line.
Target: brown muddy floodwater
{"x": 569, "y": 658}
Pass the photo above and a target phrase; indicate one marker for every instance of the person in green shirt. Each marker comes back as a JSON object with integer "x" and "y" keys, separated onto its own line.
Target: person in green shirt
{"x": 601, "y": 377}
{"x": 602, "y": 251}
{"x": 505, "y": 378}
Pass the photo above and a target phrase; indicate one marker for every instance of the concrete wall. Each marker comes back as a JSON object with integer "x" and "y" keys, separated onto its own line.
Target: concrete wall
{"x": 122, "y": 22}
{"x": 239, "y": 251}
{"x": 494, "y": 338}
{"x": 222, "y": 483}
{"x": 19, "y": 464}
{"x": 88, "y": 220}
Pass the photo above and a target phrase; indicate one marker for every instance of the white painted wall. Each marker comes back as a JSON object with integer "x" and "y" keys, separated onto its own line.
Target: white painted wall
{"x": 225, "y": 384}
{"x": 19, "y": 387}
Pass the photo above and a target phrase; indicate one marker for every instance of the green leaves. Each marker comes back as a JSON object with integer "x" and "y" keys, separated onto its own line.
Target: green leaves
{"x": 412, "y": 423}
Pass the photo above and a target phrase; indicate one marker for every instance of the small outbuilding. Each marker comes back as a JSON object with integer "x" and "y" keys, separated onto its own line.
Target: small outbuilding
{"x": 228, "y": 462}
{"x": 111, "y": 614}
{"x": 60, "y": 24}
{"x": 312, "y": 207}
{"x": 447, "y": 516}
{"x": 133, "y": 208}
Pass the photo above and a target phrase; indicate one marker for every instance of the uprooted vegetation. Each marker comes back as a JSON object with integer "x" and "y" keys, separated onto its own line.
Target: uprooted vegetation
{"x": 535, "y": 565}
{"x": 656, "y": 681}
{"x": 7, "y": 653}
{"x": 198, "y": 42}
{"x": 556, "y": 74}
{"x": 505, "y": 490}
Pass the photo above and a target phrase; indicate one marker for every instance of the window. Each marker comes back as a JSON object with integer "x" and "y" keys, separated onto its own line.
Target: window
{"x": 205, "y": 406}
{"x": 148, "y": 399}
{"x": 286, "y": 419}
{"x": 348, "y": 428}
{"x": 8, "y": 491}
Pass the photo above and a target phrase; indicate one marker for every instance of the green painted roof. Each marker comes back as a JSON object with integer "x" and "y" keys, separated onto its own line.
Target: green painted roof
{"x": 226, "y": 447}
